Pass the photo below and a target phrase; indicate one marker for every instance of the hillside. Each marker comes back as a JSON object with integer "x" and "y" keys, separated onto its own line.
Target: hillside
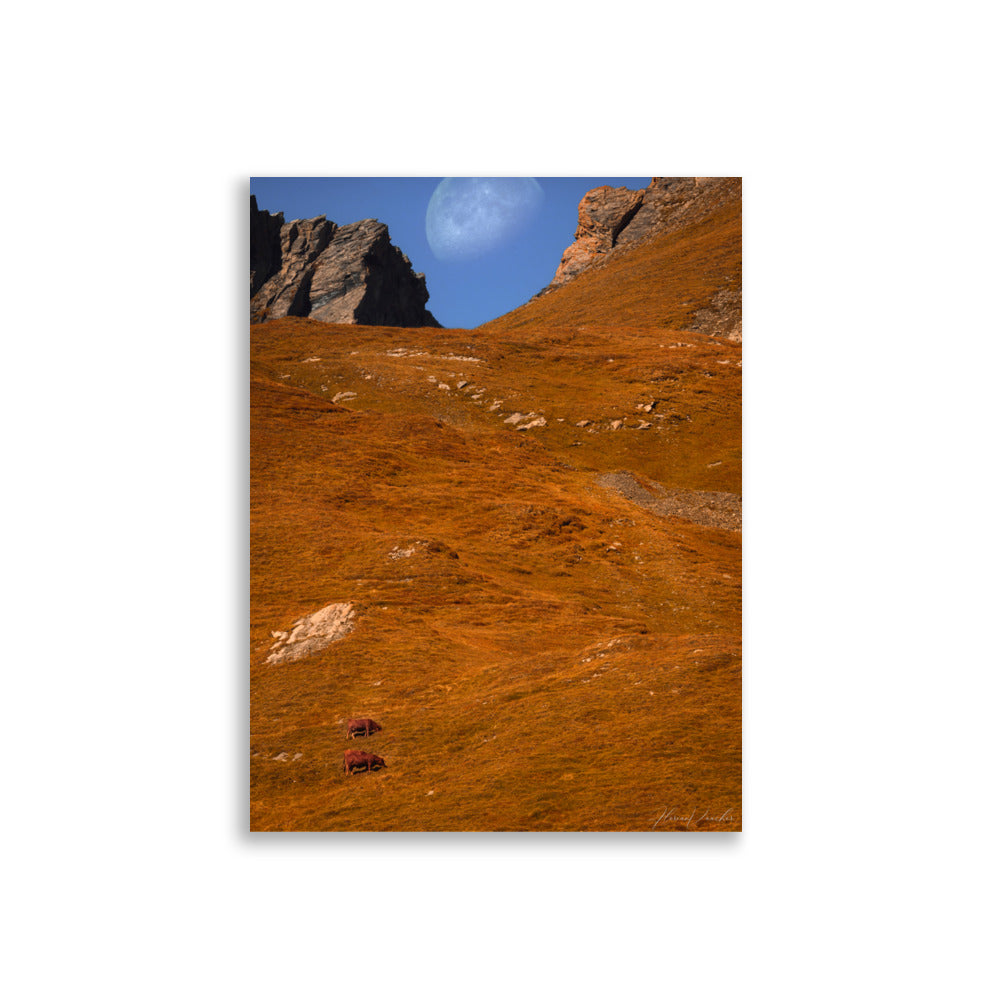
{"x": 536, "y": 527}
{"x": 682, "y": 273}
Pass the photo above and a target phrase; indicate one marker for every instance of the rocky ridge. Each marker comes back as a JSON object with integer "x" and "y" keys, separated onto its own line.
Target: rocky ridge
{"x": 337, "y": 274}
{"x": 614, "y": 220}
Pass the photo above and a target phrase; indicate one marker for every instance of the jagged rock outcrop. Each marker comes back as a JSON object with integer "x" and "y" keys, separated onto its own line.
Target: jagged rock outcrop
{"x": 265, "y": 245}
{"x": 614, "y": 220}
{"x": 603, "y": 214}
{"x": 337, "y": 274}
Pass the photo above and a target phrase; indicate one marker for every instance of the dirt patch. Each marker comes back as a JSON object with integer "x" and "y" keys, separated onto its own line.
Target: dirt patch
{"x": 714, "y": 510}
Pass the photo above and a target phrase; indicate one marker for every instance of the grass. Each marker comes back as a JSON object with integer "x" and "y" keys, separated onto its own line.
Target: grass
{"x": 551, "y": 656}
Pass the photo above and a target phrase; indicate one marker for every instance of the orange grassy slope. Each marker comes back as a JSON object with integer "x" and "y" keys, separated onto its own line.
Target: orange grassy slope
{"x": 660, "y": 284}
{"x": 543, "y": 652}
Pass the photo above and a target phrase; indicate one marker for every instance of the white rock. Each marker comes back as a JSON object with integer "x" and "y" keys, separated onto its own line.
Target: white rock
{"x": 315, "y": 632}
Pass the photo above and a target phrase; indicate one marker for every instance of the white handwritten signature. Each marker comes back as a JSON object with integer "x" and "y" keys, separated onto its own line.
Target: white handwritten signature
{"x": 692, "y": 817}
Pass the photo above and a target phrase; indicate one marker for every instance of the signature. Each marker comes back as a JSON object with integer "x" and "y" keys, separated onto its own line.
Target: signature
{"x": 671, "y": 815}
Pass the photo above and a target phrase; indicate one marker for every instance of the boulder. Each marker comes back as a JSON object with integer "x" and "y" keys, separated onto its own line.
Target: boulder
{"x": 312, "y": 633}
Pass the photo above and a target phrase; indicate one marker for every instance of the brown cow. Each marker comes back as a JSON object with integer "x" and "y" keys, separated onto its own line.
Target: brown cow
{"x": 362, "y": 727}
{"x": 358, "y": 758}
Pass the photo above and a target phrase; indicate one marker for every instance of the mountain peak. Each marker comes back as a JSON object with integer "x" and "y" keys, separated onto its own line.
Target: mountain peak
{"x": 337, "y": 274}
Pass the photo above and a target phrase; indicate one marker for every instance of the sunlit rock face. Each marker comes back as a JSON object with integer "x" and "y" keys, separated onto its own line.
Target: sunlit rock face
{"x": 337, "y": 274}
{"x": 604, "y": 212}
{"x": 468, "y": 217}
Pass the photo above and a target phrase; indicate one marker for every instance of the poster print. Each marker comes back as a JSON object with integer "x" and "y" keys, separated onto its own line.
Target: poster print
{"x": 495, "y": 495}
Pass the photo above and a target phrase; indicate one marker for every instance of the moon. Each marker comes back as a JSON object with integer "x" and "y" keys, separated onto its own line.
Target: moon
{"x": 468, "y": 217}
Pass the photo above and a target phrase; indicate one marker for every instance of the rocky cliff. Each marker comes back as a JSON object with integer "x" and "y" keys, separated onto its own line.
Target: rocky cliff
{"x": 614, "y": 220}
{"x": 337, "y": 274}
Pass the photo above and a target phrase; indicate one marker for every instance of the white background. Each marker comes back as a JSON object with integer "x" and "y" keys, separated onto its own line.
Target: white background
{"x": 864, "y": 134}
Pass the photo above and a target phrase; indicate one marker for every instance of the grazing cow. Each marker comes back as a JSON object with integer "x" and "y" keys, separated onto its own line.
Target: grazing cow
{"x": 358, "y": 758}
{"x": 362, "y": 727}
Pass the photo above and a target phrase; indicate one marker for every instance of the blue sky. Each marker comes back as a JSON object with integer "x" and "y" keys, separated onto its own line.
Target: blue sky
{"x": 462, "y": 293}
